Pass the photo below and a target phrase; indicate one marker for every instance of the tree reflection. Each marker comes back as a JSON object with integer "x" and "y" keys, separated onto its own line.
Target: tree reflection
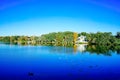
{"x": 60, "y": 49}
{"x": 82, "y": 48}
{"x": 97, "y": 49}
{"x": 101, "y": 49}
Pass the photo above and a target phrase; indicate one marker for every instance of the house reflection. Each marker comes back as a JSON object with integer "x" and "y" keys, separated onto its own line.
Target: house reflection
{"x": 70, "y": 50}
{"x": 81, "y": 47}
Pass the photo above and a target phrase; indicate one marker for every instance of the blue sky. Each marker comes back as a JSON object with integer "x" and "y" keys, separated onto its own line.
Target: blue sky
{"x": 36, "y": 17}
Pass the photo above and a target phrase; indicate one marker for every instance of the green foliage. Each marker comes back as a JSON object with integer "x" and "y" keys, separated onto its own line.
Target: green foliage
{"x": 118, "y": 35}
{"x": 101, "y": 38}
{"x": 5, "y": 39}
{"x": 64, "y": 38}
{"x": 59, "y": 38}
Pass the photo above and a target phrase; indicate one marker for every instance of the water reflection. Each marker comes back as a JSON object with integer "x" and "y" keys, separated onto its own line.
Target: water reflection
{"x": 81, "y": 47}
{"x": 84, "y": 48}
{"x": 97, "y": 49}
{"x": 105, "y": 50}
{"x": 75, "y": 49}
{"x": 46, "y": 62}
{"x": 59, "y": 49}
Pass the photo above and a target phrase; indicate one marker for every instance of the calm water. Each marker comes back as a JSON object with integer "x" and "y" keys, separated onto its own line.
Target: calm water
{"x": 56, "y": 63}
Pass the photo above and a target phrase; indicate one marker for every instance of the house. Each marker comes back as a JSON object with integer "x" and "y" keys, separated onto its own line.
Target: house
{"x": 81, "y": 39}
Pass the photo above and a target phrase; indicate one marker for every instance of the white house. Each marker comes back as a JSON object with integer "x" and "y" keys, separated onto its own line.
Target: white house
{"x": 81, "y": 39}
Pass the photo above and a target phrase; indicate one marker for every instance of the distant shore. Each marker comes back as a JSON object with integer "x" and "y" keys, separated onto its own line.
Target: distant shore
{"x": 66, "y": 38}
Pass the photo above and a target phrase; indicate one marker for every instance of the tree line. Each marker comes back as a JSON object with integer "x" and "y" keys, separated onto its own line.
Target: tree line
{"x": 64, "y": 38}
{"x": 102, "y": 38}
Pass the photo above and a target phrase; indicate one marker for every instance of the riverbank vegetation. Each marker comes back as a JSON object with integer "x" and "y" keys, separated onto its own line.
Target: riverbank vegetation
{"x": 102, "y": 38}
{"x": 66, "y": 38}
